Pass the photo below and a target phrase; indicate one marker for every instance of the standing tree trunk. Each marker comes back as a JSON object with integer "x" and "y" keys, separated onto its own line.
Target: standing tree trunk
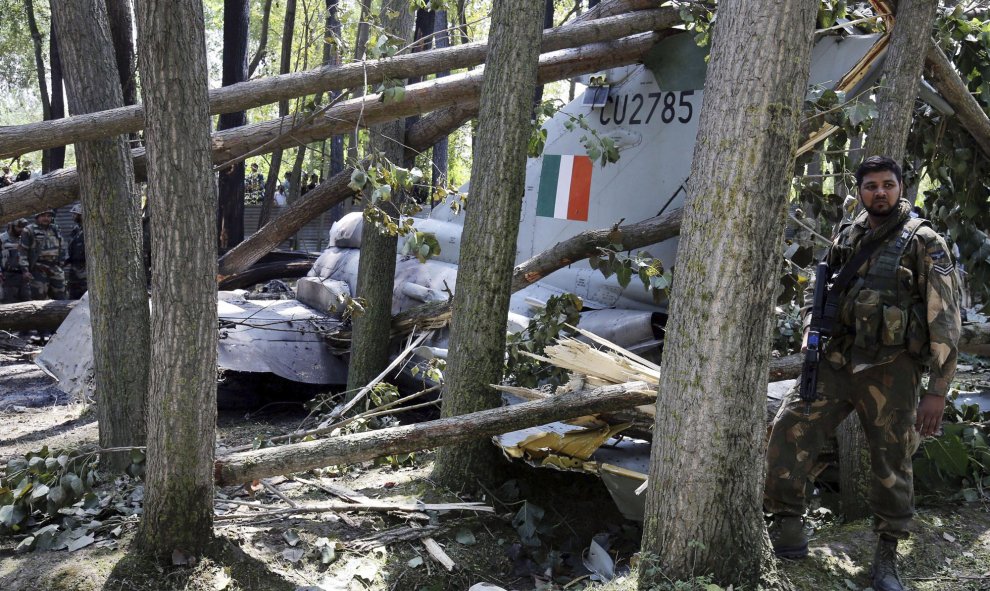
{"x": 547, "y": 24}
{"x": 263, "y": 41}
{"x": 901, "y": 78}
{"x": 439, "y": 169}
{"x": 182, "y": 409}
{"x": 888, "y": 136}
{"x": 122, "y": 30}
{"x": 488, "y": 247}
{"x": 39, "y": 64}
{"x": 55, "y": 156}
{"x": 230, "y": 215}
{"x": 112, "y": 209}
{"x": 285, "y": 66}
{"x": 703, "y": 505}
{"x": 376, "y": 268}
{"x": 360, "y": 44}
{"x": 331, "y": 56}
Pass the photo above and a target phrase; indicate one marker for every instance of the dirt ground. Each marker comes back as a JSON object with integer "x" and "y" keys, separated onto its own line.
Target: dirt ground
{"x": 379, "y": 550}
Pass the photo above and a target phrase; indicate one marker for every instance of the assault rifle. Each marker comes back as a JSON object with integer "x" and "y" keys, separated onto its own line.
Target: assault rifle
{"x": 822, "y": 316}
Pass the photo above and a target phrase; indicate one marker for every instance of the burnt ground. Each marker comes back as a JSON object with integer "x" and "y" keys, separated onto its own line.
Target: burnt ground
{"x": 951, "y": 550}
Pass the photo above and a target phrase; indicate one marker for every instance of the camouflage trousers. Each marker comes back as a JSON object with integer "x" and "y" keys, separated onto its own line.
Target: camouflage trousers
{"x": 15, "y": 288}
{"x": 75, "y": 280}
{"x": 48, "y": 282}
{"x": 886, "y": 399}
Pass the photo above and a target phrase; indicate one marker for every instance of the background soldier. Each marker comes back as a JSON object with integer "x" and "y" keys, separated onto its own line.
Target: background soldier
{"x": 41, "y": 252}
{"x": 75, "y": 260}
{"x": 898, "y": 315}
{"x": 16, "y": 286}
{"x": 25, "y": 173}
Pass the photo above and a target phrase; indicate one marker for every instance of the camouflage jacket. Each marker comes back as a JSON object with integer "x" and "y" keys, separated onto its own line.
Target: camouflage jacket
{"x": 40, "y": 245}
{"x": 917, "y": 311}
{"x": 76, "y": 250}
{"x": 9, "y": 253}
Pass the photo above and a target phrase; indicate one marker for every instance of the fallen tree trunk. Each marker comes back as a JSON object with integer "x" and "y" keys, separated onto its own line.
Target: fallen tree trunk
{"x": 587, "y": 243}
{"x": 418, "y": 98}
{"x": 19, "y": 139}
{"x": 266, "y": 272}
{"x": 347, "y": 449}
{"x": 35, "y": 315}
{"x": 61, "y": 188}
{"x": 946, "y": 80}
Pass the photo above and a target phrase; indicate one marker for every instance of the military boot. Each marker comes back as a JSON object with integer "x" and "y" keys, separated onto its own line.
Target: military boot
{"x": 884, "y": 571}
{"x": 788, "y": 537}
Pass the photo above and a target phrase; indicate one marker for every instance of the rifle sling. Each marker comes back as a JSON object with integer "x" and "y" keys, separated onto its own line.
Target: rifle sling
{"x": 849, "y": 269}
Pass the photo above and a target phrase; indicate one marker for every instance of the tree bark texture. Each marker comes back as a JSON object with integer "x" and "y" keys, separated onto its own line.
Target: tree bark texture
{"x": 438, "y": 173}
{"x": 18, "y": 139}
{"x": 35, "y": 315}
{"x": 360, "y": 45}
{"x": 705, "y": 488}
{"x": 55, "y": 156}
{"x": 178, "y": 507}
{"x": 122, "y": 29}
{"x": 112, "y": 212}
{"x": 902, "y": 67}
{"x": 330, "y": 193}
{"x": 943, "y": 76}
{"x": 347, "y": 449}
{"x": 230, "y": 181}
{"x": 331, "y": 57}
{"x": 61, "y": 187}
{"x": 376, "y": 266}
{"x": 488, "y": 243}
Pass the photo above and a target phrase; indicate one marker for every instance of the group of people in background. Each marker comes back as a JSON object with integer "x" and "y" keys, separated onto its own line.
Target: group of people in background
{"x": 38, "y": 263}
{"x": 254, "y": 186}
{"x": 7, "y": 178}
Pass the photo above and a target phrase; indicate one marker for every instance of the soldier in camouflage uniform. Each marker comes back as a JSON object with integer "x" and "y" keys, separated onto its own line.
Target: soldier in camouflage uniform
{"x": 898, "y": 316}
{"x": 16, "y": 287}
{"x": 41, "y": 253}
{"x": 75, "y": 259}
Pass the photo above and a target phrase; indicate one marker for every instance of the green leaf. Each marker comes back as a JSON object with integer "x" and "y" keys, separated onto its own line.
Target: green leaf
{"x": 39, "y": 492}
{"x": 415, "y": 562}
{"x": 527, "y": 519}
{"x": 358, "y": 179}
{"x": 949, "y": 455}
{"x": 72, "y": 483}
{"x": 464, "y": 536}
{"x": 11, "y": 515}
{"x": 623, "y": 274}
{"x": 393, "y": 94}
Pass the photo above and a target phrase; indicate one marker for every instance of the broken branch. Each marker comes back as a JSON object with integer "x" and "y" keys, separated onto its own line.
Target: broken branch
{"x": 347, "y": 449}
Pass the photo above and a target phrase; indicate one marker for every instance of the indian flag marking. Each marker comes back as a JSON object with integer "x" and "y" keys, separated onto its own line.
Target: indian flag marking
{"x": 565, "y": 187}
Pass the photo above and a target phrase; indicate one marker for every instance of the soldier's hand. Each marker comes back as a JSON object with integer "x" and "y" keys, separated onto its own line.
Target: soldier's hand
{"x": 28, "y": 276}
{"x": 804, "y": 341}
{"x": 929, "y": 415}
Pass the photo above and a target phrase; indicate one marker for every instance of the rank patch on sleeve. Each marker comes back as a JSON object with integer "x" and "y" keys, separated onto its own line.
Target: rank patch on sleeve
{"x": 944, "y": 267}
{"x": 941, "y": 262}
